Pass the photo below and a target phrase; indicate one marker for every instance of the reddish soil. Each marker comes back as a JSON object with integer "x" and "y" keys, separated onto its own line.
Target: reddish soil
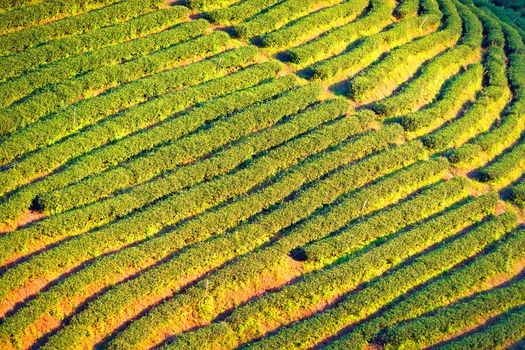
{"x": 27, "y": 218}
{"x": 19, "y": 295}
{"x": 500, "y": 207}
{"x": 231, "y": 299}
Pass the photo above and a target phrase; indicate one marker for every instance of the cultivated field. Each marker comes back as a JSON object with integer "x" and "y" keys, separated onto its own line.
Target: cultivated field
{"x": 264, "y": 174}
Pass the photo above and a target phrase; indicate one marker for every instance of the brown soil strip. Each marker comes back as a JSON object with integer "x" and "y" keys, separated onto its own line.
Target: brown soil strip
{"x": 27, "y": 218}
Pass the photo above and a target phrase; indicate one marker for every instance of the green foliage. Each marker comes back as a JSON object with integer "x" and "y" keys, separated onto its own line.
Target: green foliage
{"x": 506, "y": 167}
{"x": 239, "y": 11}
{"x": 338, "y": 39}
{"x": 356, "y": 306}
{"x": 276, "y": 17}
{"x": 460, "y": 282}
{"x": 84, "y": 23}
{"x": 479, "y": 117}
{"x": 247, "y": 269}
{"x": 401, "y": 63}
{"x": 314, "y": 23}
{"x": 396, "y": 218}
{"x": 505, "y": 328}
{"x": 427, "y": 83}
{"x": 86, "y": 112}
{"x": 66, "y": 93}
{"x": 182, "y": 151}
{"x": 108, "y": 45}
{"x": 454, "y": 94}
{"x": 33, "y": 14}
{"x": 506, "y": 15}
{"x": 186, "y": 176}
{"x": 371, "y": 48}
{"x": 164, "y": 158}
{"x": 517, "y": 194}
{"x": 429, "y": 329}
{"x": 487, "y": 145}
{"x": 94, "y": 159}
{"x": 210, "y": 223}
{"x": 407, "y": 8}
{"x": 207, "y": 5}
{"x": 245, "y": 322}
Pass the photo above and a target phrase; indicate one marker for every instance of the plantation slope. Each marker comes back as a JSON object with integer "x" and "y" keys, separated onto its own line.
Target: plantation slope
{"x": 262, "y": 174}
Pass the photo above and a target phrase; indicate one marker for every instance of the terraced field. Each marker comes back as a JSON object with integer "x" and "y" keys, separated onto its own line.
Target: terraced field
{"x": 264, "y": 174}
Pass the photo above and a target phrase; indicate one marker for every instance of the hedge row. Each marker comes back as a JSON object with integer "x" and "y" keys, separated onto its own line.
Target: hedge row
{"x": 249, "y": 268}
{"x": 90, "y": 21}
{"x": 336, "y": 40}
{"x": 70, "y": 50}
{"x": 507, "y": 167}
{"x": 64, "y": 94}
{"x": 98, "y": 213}
{"x": 372, "y": 47}
{"x": 104, "y": 144}
{"x": 453, "y": 96}
{"x": 216, "y": 221}
{"x": 207, "y": 5}
{"x": 407, "y": 8}
{"x": 317, "y": 22}
{"x": 7, "y": 5}
{"x": 481, "y": 115}
{"x": 277, "y": 16}
{"x": 503, "y": 14}
{"x": 488, "y": 145}
{"x": 354, "y": 307}
{"x": 142, "y": 286}
{"x": 239, "y": 11}
{"x": 516, "y": 5}
{"x": 134, "y": 119}
{"x": 506, "y": 328}
{"x": 198, "y": 144}
{"x": 382, "y": 78}
{"x": 428, "y": 82}
{"x": 517, "y": 194}
{"x": 461, "y": 281}
{"x": 331, "y": 248}
{"x": 34, "y": 14}
{"x": 430, "y": 329}
{"x": 71, "y": 119}
{"x": 273, "y": 310}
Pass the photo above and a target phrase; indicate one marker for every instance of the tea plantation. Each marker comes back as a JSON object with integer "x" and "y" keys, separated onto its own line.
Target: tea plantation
{"x": 262, "y": 174}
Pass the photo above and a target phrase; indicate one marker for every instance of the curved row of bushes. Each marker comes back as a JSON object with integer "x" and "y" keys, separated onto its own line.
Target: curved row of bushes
{"x": 277, "y": 16}
{"x": 63, "y": 95}
{"x": 487, "y": 145}
{"x": 461, "y": 281}
{"x": 426, "y": 85}
{"x": 69, "y": 120}
{"x": 96, "y": 148}
{"x": 18, "y": 41}
{"x": 212, "y": 222}
{"x": 314, "y": 23}
{"x": 372, "y": 47}
{"x": 62, "y": 59}
{"x": 285, "y": 305}
{"x": 357, "y": 306}
{"x": 336, "y": 40}
{"x": 382, "y": 78}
